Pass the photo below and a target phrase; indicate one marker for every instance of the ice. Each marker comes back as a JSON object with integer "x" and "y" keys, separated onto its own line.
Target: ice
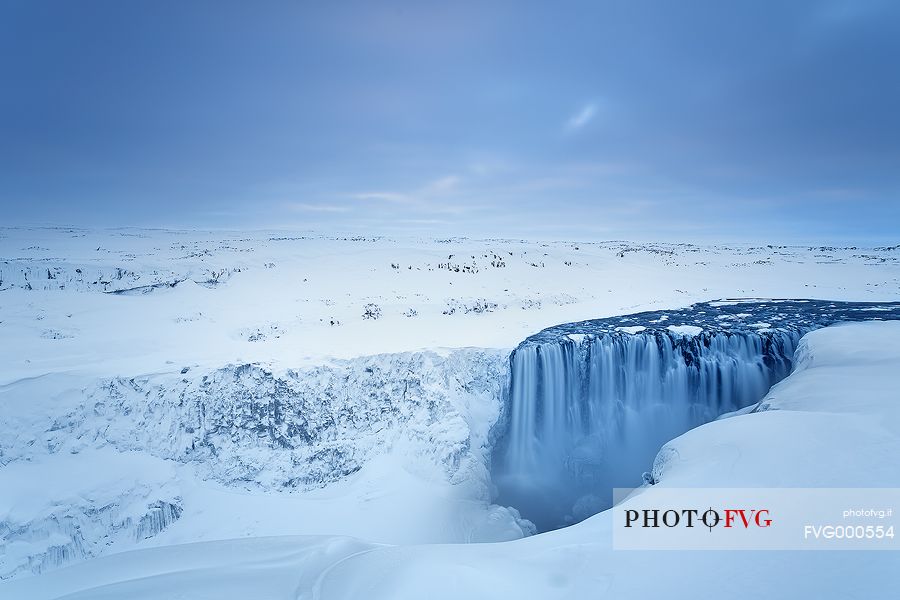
{"x": 111, "y": 448}
{"x": 841, "y": 396}
{"x": 215, "y": 385}
{"x": 97, "y": 499}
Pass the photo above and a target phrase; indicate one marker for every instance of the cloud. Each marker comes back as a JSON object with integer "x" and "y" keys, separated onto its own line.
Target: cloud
{"x": 436, "y": 187}
{"x": 442, "y": 184}
{"x": 420, "y": 196}
{"x": 325, "y": 208}
{"x": 581, "y": 118}
{"x": 381, "y": 197}
{"x": 424, "y": 221}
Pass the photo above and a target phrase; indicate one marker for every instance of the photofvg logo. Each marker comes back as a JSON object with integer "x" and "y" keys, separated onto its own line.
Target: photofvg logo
{"x": 659, "y": 518}
{"x": 691, "y": 517}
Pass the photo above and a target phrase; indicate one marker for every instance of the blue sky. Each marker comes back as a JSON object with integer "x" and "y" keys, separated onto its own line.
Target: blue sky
{"x": 590, "y": 120}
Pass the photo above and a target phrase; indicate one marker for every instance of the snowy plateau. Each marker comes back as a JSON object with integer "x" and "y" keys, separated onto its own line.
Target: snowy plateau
{"x": 254, "y": 415}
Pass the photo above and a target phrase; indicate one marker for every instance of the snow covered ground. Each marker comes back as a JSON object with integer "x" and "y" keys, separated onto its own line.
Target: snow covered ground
{"x": 165, "y": 387}
{"x": 289, "y": 299}
{"x": 834, "y": 422}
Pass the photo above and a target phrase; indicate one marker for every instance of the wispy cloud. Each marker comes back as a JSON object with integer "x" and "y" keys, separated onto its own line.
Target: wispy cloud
{"x": 381, "y": 197}
{"x": 581, "y": 118}
{"x": 441, "y": 185}
{"x": 419, "y": 196}
{"x": 424, "y": 221}
{"x": 322, "y": 208}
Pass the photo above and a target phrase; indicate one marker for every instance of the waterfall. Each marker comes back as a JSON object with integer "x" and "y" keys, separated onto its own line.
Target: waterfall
{"x": 591, "y": 403}
{"x": 589, "y": 413}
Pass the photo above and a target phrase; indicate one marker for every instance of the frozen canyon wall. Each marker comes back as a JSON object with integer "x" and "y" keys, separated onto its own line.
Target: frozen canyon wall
{"x": 243, "y": 426}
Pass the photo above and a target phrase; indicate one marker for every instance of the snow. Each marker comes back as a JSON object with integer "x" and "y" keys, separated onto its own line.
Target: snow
{"x": 272, "y": 297}
{"x": 243, "y": 451}
{"x": 164, "y": 391}
{"x": 843, "y": 389}
{"x": 62, "y": 507}
{"x": 685, "y": 330}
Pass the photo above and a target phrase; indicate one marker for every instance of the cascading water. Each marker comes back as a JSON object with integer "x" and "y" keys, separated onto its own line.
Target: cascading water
{"x": 591, "y": 403}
